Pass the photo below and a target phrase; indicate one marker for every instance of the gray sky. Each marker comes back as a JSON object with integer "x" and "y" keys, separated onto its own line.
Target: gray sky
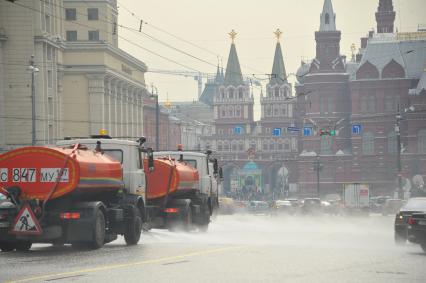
{"x": 207, "y": 23}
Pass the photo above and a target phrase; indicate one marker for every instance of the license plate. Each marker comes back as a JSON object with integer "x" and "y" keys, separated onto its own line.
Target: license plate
{"x": 422, "y": 222}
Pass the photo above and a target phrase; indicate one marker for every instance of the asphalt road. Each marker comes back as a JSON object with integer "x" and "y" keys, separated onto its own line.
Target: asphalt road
{"x": 237, "y": 248}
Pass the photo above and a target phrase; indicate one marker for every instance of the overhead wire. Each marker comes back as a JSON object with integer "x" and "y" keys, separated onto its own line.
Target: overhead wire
{"x": 106, "y": 31}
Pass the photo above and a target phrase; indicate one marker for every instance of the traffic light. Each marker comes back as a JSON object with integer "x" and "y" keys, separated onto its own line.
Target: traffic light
{"x": 330, "y": 133}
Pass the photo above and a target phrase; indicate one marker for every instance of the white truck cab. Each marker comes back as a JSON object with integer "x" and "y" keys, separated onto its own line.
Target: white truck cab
{"x": 127, "y": 152}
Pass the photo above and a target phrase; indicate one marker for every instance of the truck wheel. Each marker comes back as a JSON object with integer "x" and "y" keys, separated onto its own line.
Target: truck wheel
{"x": 7, "y": 247}
{"x": 134, "y": 229}
{"x": 23, "y": 246}
{"x": 423, "y": 245}
{"x": 98, "y": 231}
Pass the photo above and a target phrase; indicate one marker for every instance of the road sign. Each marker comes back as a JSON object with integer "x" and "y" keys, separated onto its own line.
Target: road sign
{"x": 356, "y": 129}
{"x": 26, "y": 222}
{"x": 276, "y": 132}
{"x": 293, "y": 129}
{"x": 307, "y": 131}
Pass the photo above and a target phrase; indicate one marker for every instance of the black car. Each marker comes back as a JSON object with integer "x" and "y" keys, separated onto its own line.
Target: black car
{"x": 413, "y": 205}
{"x": 417, "y": 229}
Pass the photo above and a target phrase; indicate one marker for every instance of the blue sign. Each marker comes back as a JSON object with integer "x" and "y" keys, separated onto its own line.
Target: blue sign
{"x": 356, "y": 129}
{"x": 293, "y": 129}
{"x": 307, "y": 131}
{"x": 276, "y": 132}
{"x": 238, "y": 130}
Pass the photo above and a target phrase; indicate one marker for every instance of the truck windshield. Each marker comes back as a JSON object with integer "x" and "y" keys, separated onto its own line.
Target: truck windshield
{"x": 117, "y": 154}
{"x": 191, "y": 162}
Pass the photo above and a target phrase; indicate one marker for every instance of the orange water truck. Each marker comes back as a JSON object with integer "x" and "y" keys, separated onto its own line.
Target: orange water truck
{"x": 65, "y": 195}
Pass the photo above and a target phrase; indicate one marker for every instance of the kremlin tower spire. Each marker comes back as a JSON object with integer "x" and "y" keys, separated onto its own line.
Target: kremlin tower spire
{"x": 278, "y": 69}
{"x": 385, "y": 17}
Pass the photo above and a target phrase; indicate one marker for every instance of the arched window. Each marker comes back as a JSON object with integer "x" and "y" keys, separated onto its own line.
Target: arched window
{"x": 223, "y": 111}
{"x": 230, "y": 111}
{"x": 276, "y": 110}
{"x": 284, "y": 110}
{"x": 219, "y": 146}
{"x": 271, "y": 145}
{"x": 240, "y": 93}
{"x": 265, "y": 145}
{"x": 327, "y": 19}
{"x": 241, "y": 146}
{"x": 421, "y": 141}
{"x": 326, "y": 144}
{"x": 268, "y": 110}
{"x": 222, "y": 93}
{"x": 234, "y": 145}
{"x": 392, "y": 146}
{"x": 368, "y": 143}
{"x": 226, "y": 146}
{"x": 253, "y": 144}
{"x": 277, "y": 92}
{"x": 231, "y": 93}
{"x": 238, "y": 111}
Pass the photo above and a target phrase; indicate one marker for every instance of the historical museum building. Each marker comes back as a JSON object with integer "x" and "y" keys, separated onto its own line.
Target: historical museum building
{"x": 346, "y": 123}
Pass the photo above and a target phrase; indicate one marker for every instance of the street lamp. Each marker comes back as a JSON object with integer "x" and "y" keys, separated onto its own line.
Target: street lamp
{"x": 398, "y": 119}
{"x": 157, "y": 117}
{"x": 33, "y": 69}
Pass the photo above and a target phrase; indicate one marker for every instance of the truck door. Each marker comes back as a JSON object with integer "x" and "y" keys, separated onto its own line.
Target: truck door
{"x": 135, "y": 173}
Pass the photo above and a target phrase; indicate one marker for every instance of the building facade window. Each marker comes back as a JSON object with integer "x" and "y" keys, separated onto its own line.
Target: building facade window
{"x": 231, "y": 93}
{"x": 286, "y": 145}
{"x": 48, "y": 23}
{"x": 326, "y": 144}
{"x": 368, "y": 143}
{"x": 276, "y": 108}
{"x": 268, "y": 110}
{"x": 284, "y": 110}
{"x": 49, "y": 79}
{"x": 238, "y": 111}
{"x": 392, "y": 145}
{"x": 240, "y": 93}
{"x": 49, "y": 52}
{"x": 219, "y": 146}
{"x": 253, "y": 145}
{"x": 71, "y": 35}
{"x": 241, "y": 146}
{"x": 70, "y": 14}
{"x": 226, "y": 146}
{"x": 234, "y": 146}
{"x": 93, "y": 35}
{"x": 92, "y": 14}
{"x": 421, "y": 141}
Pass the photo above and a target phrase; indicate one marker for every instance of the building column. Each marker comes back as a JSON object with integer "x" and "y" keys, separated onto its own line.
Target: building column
{"x": 114, "y": 108}
{"x": 118, "y": 108}
{"x": 107, "y": 112}
{"x": 59, "y": 116}
{"x": 96, "y": 103}
{"x": 2, "y": 97}
{"x": 134, "y": 113}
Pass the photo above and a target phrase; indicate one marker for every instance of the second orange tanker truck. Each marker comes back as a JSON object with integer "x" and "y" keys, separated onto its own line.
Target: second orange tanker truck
{"x": 87, "y": 191}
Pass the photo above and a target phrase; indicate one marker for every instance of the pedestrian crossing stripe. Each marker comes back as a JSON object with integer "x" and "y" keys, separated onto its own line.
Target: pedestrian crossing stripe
{"x": 26, "y": 222}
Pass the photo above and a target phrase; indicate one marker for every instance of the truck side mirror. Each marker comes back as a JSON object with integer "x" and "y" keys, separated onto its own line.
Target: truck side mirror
{"x": 215, "y": 167}
{"x": 150, "y": 154}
